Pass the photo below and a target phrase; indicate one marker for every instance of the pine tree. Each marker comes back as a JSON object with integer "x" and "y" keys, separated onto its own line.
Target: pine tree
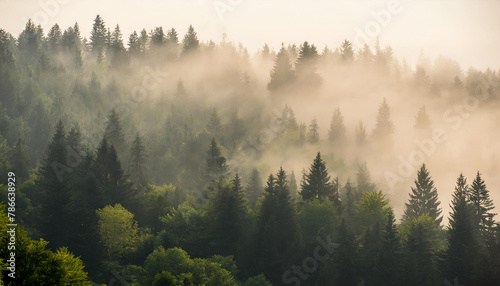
{"x": 363, "y": 179}
{"x": 390, "y": 254}
{"x": 134, "y": 44}
{"x": 422, "y": 121}
{"x": 482, "y": 204}
{"x": 305, "y": 67}
{"x": 137, "y": 160}
{"x": 56, "y": 195}
{"x": 349, "y": 199}
{"x": 227, "y": 215}
{"x": 190, "y": 42}
{"x": 336, "y": 133}
{"x": 172, "y": 38}
{"x": 54, "y": 38}
{"x": 423, "y": 198}
{"x": 313, "y": 132}
{"x": 157, "y": 37}
{"x": 116, "y": 47}
{"x": 282, "y": 73}
{"x": 20, "y": 163}
{"x": 98, "y": 38}
{"x": 384, "y": 127}
{"x": 346, "y": 51}
{"x": 316, "y": 184}
{"x": 254, "y": 188}
{"x": 276, "y": 234}
{"x": 114, "y": 133}
{"x": 214, "y": 124}
{"x": 361, "y": 137}
{"x": 293, "y": 185}
{"x": 462, "y": 244}
{"x": 216, "y": 163}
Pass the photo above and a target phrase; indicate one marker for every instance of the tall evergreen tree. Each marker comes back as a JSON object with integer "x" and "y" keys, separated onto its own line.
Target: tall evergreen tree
{"x": 313, "y": 132}
{"x": 336, "y": 133}
{"x": 134, "y": 44}
{"x": 462, "y": 244}
{"x": 254, "y": 188}
{"x": 190, "y": 42}
{"x": 316, "y": 184}
{"x": 282, "y": 73}
{"x": 137, "y": 161}
{"x": 363, "y": 179}
{"x": 293, "y": 185}
{"x": 305, "y": 67}
{"x": 56, "y": 195}
{"x": 482, "y": 204}
{"x": 216, "y": 163}
{"x": 54, "y": 38}
{"x": 19, "y": 161}
{"x": 114, "y": 133}
{"x": 423, "y": 198}
{"x": 98, "y": 38}
{"x": 276, "y": 233}
{"x": 384, "y": 128}
{"x": 360, "y": 135}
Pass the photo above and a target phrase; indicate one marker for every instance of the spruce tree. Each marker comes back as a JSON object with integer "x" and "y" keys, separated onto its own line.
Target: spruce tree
{"x": 316, "y": 184}
{"x": 482, "y": 204}
{"x": 114, "y": 133}
{"x": 336, "y": 133}
{"x": 98, "y": 38}
{"x": 254, "y": 188}
{"x": 54, "y": 38}
{"x": 293, "y": 185}
{"x": 190, "y": 42}
{"x": 282, "y": 73}
{"x": 227, "y": 215}
{"x": 313, "y": 132}
{"x": 216, "y": 163}
{"x": 423, "y": 198}
{"x": 56, "y": 196}
{"x": 19, "y": 161}
{"x": 384, "y": 128}
{"x": 363, "y": 179}
{"x": 462, "y": 243}
{"x": 137, "y": 161}
{"x": 134, "y": 44}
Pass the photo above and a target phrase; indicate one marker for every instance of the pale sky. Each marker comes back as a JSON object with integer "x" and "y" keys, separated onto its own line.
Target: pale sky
{"x": 464, "y": 30}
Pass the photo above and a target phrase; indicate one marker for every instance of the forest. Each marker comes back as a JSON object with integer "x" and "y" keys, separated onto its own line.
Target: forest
{"x": 160, "y": 159}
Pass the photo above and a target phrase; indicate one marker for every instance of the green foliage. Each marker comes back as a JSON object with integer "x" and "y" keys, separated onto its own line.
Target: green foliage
{"x": 373, "y": 208}
{"x": 118, "y": 230}
{"x": 316, "y": 183}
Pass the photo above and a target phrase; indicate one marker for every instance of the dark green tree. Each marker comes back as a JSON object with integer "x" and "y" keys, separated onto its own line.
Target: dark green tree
{"x": 254, "y": 188}
{"x": 316, "y": 184}
{"x": 482, "y": 204}
{"x": 54, "y": 38}
{"x": 423, "y": 198}
{"x": 306, "y": 65}
{"x": 190, "y": 42}
{"x": 98, "y": 38}
{"x": 216, "y": 167}
{"x": 19, "y": 161}
{"x": 137, "y": 163}
{"x": 461, "y": 254}
{"x": 114, "y": 133}
{"x": 282, "y": 73}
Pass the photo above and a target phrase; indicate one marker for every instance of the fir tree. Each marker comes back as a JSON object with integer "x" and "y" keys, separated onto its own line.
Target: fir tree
{"x": 313, "y": 132}
{"x": 254, "y": 188}
{"x": 137, "y": 160}
{"x": 462, "y": 244}
{"x": 363, "y": 179}
{"x": 98, "y": 38}
{"x": 316, "y": 184}
{"x": 216, "y": 163}
{"x": 190, "y": 42}
{"x": 114, "y": 133}
{"x": 336, "y": 133}
{"x": 481, "y": 202}
{"x": 282, "y": 73}
{"x": 19, "y": 161}
{"x": 423, "y": 198}
{"x": 384, "y": 127}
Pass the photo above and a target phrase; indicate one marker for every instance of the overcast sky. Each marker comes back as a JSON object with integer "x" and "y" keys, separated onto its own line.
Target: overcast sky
{"x": 467, "y": 31}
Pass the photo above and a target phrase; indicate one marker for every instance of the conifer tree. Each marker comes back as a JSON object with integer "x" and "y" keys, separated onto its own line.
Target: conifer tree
{"x": 423, "y": 198}
{"x": 137, "y": 160}
{"x": 54, "y": 38}
{"x": 363, "y": 179}
{"x": 134, "y": 44}
{"x": 462, "y": 243}
{"x": 190, "y": 42}
{"x": 114, "y": 133}
{"x": 254, "y": 188}
{"x": 316, "y": 184}
{"x": 293, "y": 185}
{"x": 19, "y": 161}
{"x": 98, "y": 38}
{"x": 482, "y": 204}
{"x": 282, "y": 73}
{"x": 216, "y": 163}
{"x": 336, "y": 133}
{"x": 313, "y": 132}
{"x": 384, "y": 127}
{"x": 56, "y": 195}
{"x": 360, "y": 135}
